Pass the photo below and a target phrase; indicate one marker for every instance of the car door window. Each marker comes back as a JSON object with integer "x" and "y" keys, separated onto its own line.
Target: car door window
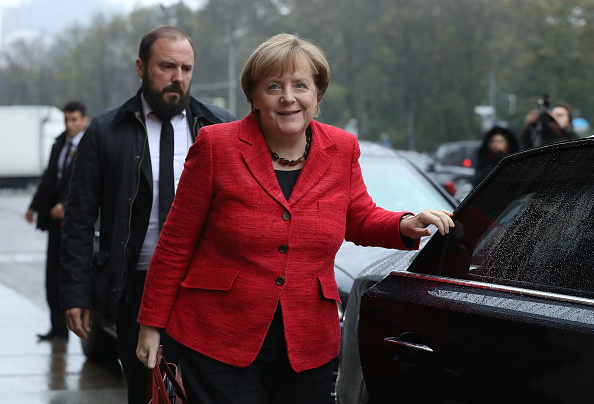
{"x": 531, "y": 225}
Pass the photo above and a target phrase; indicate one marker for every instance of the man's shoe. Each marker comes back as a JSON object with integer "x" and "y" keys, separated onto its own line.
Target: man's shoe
{"x": 52, "y": 336}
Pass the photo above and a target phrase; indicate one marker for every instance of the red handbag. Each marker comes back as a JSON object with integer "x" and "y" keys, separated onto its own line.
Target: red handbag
{"x": 165, "y": 384}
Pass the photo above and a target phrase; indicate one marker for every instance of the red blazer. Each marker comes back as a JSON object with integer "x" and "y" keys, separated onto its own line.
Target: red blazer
{"x": 233, "y": 247}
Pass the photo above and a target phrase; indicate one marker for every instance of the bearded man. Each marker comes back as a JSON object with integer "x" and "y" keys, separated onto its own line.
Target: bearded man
{"x": 124, "y": 177}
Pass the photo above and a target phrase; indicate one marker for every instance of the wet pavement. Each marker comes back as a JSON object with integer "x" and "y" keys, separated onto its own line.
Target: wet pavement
{"x": 30, "y": 371}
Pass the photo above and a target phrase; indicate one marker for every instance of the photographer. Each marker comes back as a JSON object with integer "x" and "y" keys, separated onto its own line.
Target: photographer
{"x": 548, "y": 126}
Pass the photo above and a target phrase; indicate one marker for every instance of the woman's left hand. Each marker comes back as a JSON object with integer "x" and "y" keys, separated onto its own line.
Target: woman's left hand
{"x": 148, "y": 344}
{"x": 416, "y": 226}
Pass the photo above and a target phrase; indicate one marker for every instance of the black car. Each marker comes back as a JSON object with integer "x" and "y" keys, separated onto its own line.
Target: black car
{"x": 456, "y": 179}
{"x": 458, "y": 153}
{"x": 392, "y": 181}
{"x": 501, "y": 310}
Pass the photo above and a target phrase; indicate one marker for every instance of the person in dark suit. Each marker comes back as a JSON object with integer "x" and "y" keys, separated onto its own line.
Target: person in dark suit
{"x": 125, "y": 175}
{"x": 242, "y": 276}
{"x": 49, "y": 201}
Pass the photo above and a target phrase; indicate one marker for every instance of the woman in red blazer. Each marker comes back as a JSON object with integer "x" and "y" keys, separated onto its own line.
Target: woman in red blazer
{"x": 243, "y": 274}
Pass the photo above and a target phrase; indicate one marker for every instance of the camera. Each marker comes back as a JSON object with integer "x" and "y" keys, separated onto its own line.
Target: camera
{"x": 546, "y": 129}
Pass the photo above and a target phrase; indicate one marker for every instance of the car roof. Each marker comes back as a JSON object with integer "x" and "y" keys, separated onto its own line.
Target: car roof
{"x": 462, "y": 143}
{"x": 371, "y": 149}
{"x": 420, "y": 158}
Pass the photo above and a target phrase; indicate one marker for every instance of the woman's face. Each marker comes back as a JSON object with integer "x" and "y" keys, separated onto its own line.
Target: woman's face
{"x": 498, "y": 143}
{"x": 287, "y": 103}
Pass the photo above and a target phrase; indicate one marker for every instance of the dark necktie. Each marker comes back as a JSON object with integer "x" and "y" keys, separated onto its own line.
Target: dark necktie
{"x": 166, "y": 187}
{"x": 62, "y": 169}
{"x": 68, "y": 158}
{"x": 66, "y": 163}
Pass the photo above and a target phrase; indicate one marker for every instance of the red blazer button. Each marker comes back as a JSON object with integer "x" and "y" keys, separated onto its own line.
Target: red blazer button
{"x": 280, "y": 281}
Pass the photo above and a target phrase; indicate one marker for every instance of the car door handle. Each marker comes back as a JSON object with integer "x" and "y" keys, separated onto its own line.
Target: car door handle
{"x": 394, "y": 343}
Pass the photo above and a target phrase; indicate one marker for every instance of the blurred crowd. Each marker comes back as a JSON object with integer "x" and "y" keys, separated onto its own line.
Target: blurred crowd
{"x": 548, "y": 125}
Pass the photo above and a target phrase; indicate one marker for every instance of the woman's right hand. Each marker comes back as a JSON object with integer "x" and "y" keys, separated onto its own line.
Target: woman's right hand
{"x": 415, "y": 226}
{"x": 148, "y": 344}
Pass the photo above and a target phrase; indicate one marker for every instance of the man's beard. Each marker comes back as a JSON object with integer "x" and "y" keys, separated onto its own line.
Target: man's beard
{"x": 156, "y": 100}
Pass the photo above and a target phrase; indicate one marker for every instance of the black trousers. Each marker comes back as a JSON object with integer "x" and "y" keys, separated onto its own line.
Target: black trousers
{"x": 269, "y": 380}
{"x": 52, "y": 278}
{"x": 135, "y": 373}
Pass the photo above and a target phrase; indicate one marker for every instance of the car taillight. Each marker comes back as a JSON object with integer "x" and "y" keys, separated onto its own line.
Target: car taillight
{"x": 467, "y": 162}
{"x": 450, "y": 186}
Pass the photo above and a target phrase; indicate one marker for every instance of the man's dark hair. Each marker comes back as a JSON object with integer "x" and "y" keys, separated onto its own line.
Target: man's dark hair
{"x": 162, "y": 31}
{"x": 74, "y": 106}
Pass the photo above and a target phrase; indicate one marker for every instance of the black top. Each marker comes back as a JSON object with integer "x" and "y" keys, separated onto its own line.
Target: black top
{"x": 287, "y": 180}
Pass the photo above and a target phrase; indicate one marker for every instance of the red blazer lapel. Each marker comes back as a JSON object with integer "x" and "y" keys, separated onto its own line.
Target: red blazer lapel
{"x": 258, "y": 159}
{"x": 316, "y": 164}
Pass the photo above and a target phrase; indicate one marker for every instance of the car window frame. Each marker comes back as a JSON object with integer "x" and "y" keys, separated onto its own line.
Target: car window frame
{"x": 436, "y": 258}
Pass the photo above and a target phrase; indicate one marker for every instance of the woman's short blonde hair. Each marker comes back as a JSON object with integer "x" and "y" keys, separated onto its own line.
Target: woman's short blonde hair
{"x": 282, "y": 53}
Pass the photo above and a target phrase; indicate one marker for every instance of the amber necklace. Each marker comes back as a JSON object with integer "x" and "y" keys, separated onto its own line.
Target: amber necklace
{"x": 287, "y": 162}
